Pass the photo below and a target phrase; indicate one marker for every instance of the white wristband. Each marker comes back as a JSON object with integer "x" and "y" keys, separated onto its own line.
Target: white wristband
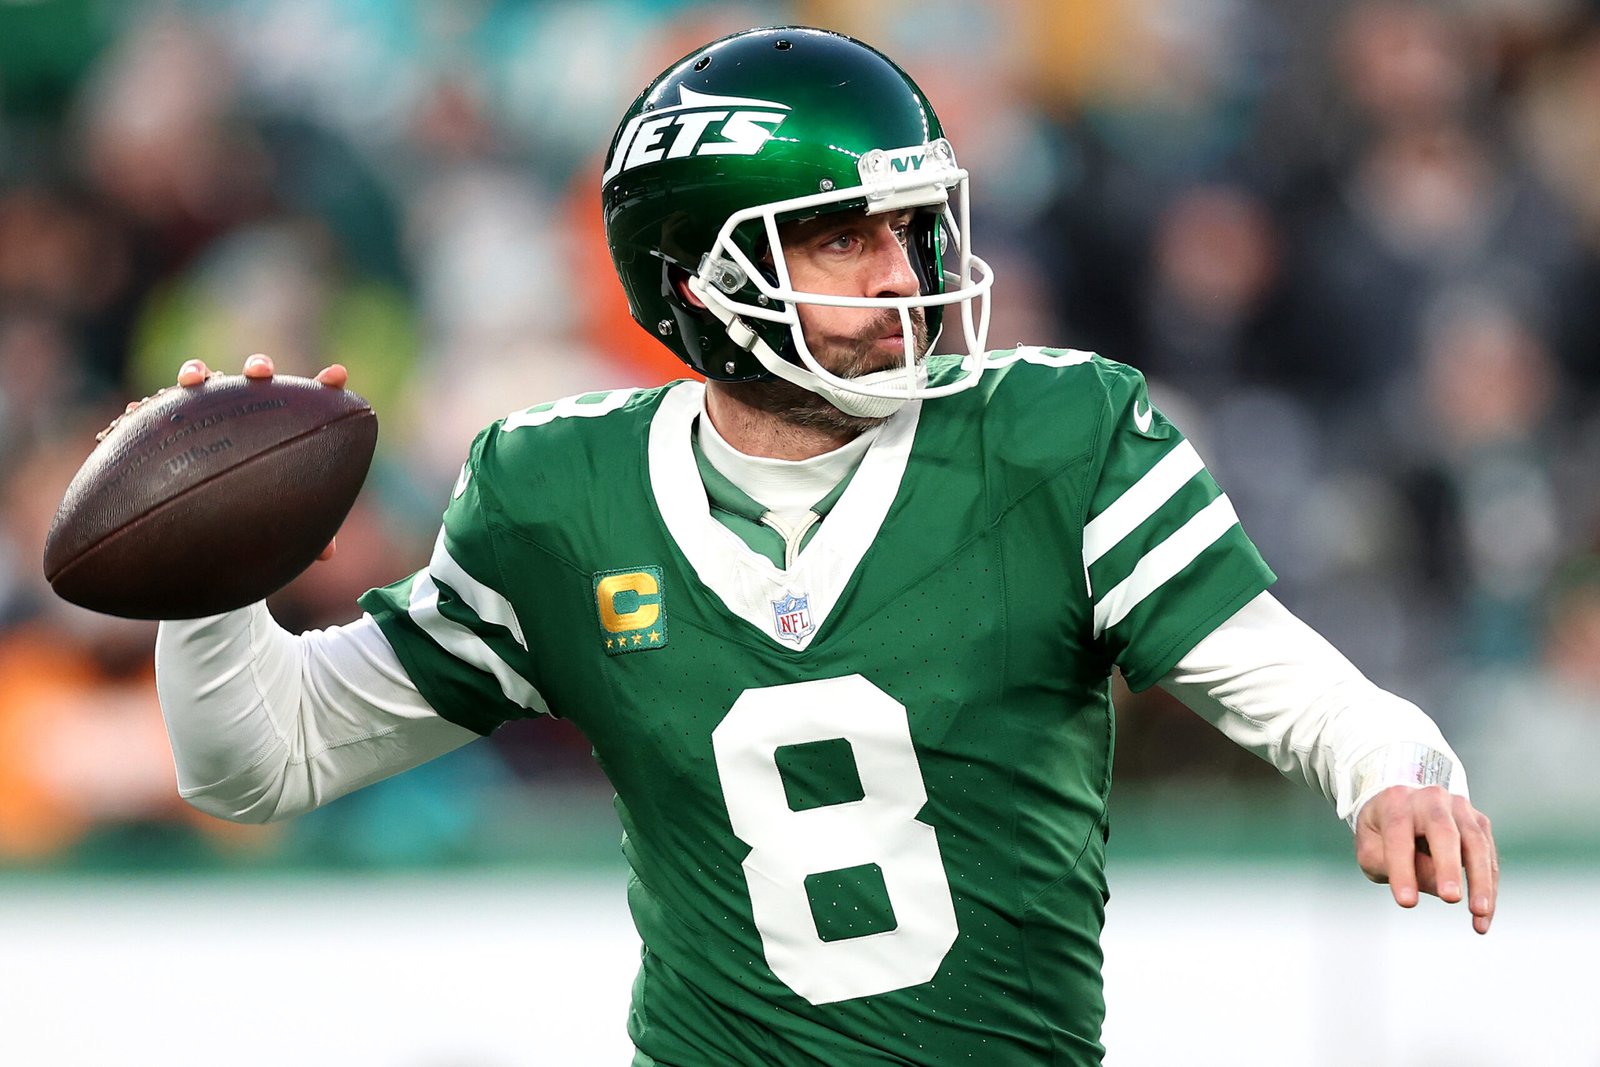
{"x": 1415, "y": 765}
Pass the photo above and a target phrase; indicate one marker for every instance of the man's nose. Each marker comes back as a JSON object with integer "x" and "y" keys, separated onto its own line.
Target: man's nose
{"x": 891, "y": 270}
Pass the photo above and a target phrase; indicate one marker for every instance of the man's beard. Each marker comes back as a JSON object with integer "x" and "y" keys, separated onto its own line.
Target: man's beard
{"x": 801, "y": 407}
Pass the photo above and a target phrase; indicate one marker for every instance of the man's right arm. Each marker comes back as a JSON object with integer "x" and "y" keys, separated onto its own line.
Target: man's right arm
{"x": 266, "y": 724}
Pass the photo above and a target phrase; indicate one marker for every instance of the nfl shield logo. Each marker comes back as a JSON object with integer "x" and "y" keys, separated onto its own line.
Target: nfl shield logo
{"x": 791, "y": 617}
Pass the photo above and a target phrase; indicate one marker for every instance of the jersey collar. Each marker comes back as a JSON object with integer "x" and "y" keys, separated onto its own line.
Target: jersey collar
{"x": 748, "y": 584}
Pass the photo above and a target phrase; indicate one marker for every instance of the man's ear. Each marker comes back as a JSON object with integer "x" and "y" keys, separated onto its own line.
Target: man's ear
{"x": 680, "y": 283}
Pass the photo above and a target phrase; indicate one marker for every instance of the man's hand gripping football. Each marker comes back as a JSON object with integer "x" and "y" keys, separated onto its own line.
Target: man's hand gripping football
{"x": 195, "y": 372}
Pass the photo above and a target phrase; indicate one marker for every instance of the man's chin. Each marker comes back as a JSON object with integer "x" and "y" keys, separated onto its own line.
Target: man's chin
{"x": 800, "y": 406}
{"x": 881, "y": 364}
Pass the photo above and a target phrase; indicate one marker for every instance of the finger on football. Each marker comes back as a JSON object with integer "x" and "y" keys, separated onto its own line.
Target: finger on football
{"x": 258, "y": 366}
{"x": 193, "y": 372}
{"x": 334, "y": 376}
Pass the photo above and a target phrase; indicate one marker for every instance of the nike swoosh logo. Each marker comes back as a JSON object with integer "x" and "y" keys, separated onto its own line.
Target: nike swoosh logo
{"x": 1144, "y": 419}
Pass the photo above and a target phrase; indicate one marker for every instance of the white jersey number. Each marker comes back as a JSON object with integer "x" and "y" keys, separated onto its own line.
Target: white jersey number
{"x": 882, "y": 828}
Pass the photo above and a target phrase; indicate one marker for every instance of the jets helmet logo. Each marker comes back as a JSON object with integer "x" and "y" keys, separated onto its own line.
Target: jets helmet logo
{"x": 698, "y": 125}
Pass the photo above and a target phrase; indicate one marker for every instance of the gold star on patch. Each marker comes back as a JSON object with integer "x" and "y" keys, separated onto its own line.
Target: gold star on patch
{"x": 636, "y": 639}
{"x": 608, "y": 642}
{"x": 655, "y": 635}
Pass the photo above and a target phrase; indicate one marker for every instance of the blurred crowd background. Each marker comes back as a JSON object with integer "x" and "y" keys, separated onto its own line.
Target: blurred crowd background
{"x": 1355, "y": 247}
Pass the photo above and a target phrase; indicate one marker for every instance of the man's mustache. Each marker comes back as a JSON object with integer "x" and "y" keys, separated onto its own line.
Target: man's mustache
{"x": 865, "y": 358}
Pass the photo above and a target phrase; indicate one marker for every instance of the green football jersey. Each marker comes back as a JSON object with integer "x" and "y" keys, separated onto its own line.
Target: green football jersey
{"x": 863, "y": 798}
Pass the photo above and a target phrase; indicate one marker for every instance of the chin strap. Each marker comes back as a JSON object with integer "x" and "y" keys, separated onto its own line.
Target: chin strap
{"x": 864, "y": 406}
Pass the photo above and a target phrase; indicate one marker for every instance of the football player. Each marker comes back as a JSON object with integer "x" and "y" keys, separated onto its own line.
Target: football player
{"x": 840, "y": 620}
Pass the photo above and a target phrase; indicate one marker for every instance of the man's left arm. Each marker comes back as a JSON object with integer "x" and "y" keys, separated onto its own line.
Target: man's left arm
{"x": 1275, "y": 686}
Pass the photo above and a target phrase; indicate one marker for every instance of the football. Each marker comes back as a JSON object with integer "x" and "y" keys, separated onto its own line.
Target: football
{"x": 208, "y": 498}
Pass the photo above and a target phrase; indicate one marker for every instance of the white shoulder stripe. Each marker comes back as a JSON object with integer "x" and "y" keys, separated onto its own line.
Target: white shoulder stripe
{"x": 467, "y": 646}
{"x": 1070, "y": 357}
{"x": 489, "y": 605}
{"x": 1140, "y": 501}
{"x": 1164, "y": 561}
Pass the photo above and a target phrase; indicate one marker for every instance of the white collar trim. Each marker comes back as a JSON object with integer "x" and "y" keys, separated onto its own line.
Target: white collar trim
{"x": 746, "y": 582}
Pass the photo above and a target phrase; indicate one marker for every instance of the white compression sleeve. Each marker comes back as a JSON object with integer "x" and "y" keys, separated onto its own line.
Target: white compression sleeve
{"x": 1275, "y": 686}
{"x": 265, "y": 724}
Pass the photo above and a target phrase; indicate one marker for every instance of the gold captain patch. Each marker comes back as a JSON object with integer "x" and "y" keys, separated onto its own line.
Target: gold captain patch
{"x": 632, "y": 607}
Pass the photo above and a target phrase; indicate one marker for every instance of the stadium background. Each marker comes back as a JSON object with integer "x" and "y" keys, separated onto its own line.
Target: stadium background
{"x": 1356, "y": 248}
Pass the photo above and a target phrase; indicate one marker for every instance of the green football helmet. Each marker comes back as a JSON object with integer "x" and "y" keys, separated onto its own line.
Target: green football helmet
{"x": 764, "y": 127}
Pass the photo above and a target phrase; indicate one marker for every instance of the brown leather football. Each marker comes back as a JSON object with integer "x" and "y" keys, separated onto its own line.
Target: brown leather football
{"x": 210, "y": 497}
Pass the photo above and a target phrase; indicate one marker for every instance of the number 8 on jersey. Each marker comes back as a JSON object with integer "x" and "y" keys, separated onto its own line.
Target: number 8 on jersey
{"x": 881, "y": 828}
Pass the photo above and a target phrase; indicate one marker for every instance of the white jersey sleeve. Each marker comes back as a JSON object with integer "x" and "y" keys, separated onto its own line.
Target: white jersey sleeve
{"x": 1275, "y": 686}
{"x": 266, "y": 724}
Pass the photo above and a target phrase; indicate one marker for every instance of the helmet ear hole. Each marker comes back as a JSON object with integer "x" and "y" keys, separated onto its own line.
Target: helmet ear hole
{"x": 676, "y": 283}
{"x": 710, "y": 346}
{"x": 691, "y": 325}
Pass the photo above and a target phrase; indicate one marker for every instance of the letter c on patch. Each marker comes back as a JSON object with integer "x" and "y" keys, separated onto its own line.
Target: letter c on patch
{"x": 628, "y": 601}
